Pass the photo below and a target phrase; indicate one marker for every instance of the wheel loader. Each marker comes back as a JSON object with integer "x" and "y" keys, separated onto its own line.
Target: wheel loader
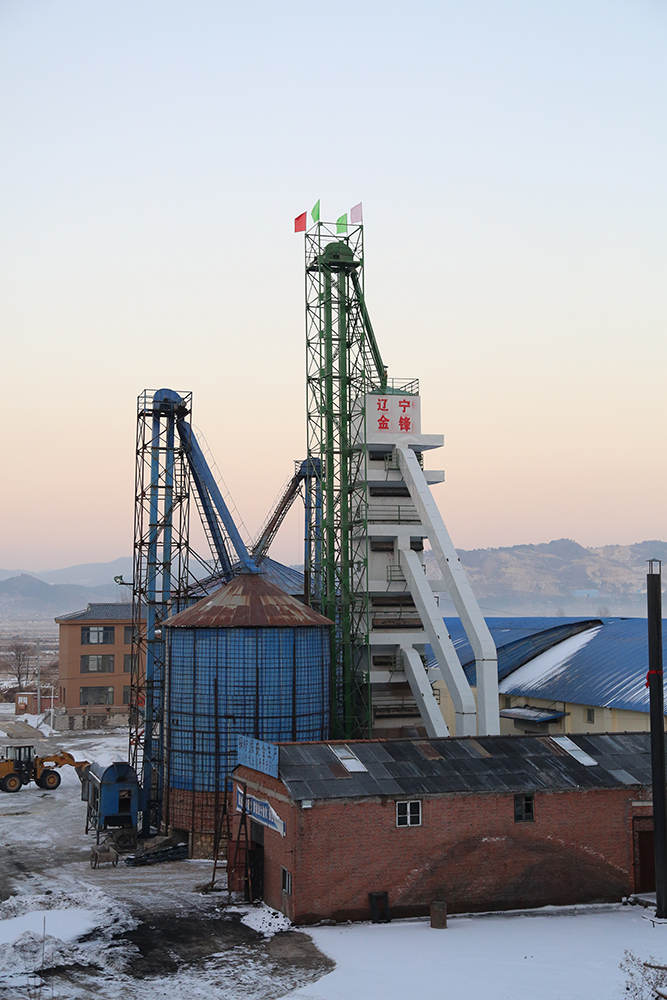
{"x": 20, "y": 765}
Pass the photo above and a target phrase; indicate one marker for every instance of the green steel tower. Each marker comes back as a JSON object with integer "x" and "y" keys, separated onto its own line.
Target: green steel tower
{"x": 343, "y": 365}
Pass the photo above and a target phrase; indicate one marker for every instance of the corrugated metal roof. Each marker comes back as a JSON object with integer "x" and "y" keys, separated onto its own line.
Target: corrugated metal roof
{"x": 609, "y": 671}
{"x": 532, "y": 714}
{"x": 248, "y": 601}
{"x": 484, "y": 764}
{"x": 517, "y": 640}
{"x": 607, "y": 668}
{"x": 288, "y": 579}
{"x": 100, "y": 613}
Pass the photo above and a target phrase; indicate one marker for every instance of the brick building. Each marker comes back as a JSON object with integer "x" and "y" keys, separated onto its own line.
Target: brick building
{"x": 94, "y": 666}
{"x": 486, "y": 823}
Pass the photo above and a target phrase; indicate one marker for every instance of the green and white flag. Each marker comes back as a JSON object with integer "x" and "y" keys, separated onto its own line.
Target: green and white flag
{"x": 315, "y": 211}
{"x": 341, "y": 224}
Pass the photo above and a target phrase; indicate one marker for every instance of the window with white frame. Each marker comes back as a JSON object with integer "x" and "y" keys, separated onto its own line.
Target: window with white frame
{"x": 287, "y": 882}
{"x": 409, "y": 813}
{"x": 93, "y": 635}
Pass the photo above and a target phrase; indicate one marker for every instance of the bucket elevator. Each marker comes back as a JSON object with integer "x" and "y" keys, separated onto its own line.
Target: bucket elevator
{"x": 364, "y": 431}
{"x": 168, "y": 574}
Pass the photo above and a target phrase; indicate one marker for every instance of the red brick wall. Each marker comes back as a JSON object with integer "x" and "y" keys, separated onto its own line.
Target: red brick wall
{"x": 279, "y": 852}
{"x": 468, "y": 851}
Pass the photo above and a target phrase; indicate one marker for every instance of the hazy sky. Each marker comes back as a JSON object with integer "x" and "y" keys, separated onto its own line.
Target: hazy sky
{"x": 511, "y": 159}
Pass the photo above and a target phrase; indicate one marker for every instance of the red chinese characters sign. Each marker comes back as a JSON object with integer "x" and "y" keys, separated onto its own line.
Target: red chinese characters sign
{"x": 392, "y": 414}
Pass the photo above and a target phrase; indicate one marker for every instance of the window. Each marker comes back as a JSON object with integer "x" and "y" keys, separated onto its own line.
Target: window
{"x": 92, "y": 635}
{"x": 287, "y": 882}
{"x": 409, "y": 813}
{"x": 126, "y": 694}
{"x": 98, "y": 664}
{"x": 524, "y": 808}
{"x": 129, "y": 661}
{"x": 127, "y": 635}
{"x": 436, "y": 693}
{"x": 96, "y": 696}
{"x": 507, "y": 701}
{"x": 590, "y": 715}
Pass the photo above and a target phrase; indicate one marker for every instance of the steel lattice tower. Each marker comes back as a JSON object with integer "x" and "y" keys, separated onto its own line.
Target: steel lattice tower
{"x": 161, "y": 578}
{"x": 343, "y": 364}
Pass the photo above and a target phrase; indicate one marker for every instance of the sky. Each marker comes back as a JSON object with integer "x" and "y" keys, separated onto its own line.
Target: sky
{"x": 510, "y": 157}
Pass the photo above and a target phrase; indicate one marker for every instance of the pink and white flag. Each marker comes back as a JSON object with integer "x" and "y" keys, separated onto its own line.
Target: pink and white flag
{"x": 356, "y": 215}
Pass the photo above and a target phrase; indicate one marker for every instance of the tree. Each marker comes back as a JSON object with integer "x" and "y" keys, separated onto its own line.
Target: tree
{"x": 18, "y": 661}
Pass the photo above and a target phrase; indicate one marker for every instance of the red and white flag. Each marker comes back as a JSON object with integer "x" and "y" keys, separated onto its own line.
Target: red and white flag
{"x": 356, "y": 215}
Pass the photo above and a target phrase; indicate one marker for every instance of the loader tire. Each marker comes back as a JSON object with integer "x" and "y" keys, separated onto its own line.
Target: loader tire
{"x": 49, "y": 780}
{"x": 11, "y": 782}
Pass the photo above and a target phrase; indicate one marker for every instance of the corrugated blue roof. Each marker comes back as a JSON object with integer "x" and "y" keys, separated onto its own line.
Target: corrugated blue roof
{"x": 608, "y": 668}
{"x": 517, "y": 640}
{"x": 288, "y": 579}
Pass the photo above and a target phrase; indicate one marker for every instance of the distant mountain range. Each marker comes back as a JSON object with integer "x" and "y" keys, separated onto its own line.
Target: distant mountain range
{"x": 560, "y": 578}
{"x": 43, "y": 596}
{"x": 85, "y": 575}
{"x": 553, "y": 578}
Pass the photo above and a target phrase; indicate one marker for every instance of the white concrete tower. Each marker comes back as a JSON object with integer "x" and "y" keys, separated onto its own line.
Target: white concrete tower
{"x": 403, "y": 611}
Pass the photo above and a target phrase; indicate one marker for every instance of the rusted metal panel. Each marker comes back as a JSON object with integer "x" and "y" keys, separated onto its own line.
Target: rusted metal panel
{"x": 248, "y": 601}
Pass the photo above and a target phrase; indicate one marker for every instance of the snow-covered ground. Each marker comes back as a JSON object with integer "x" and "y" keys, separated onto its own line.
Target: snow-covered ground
{"x": 122, "y": 933}
{"x": 559, "y": 954}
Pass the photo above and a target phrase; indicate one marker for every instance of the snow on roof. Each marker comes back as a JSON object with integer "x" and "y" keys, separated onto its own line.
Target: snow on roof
{"x": 593, "y": 661}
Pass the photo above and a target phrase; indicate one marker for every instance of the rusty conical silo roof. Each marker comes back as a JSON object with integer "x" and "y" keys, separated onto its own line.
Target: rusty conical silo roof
{"x": 248, "y": 601}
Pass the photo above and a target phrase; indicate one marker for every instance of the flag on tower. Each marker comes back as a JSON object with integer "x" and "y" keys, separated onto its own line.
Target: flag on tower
{"x": 341, "y": 224}
{"x": 356, "y": 215}
{"x": 316, "y": 211}
{"x": 300, "y": 223}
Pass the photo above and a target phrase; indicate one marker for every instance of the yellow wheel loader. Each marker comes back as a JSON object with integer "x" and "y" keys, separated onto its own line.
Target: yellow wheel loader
{"x": 20, "y": 765}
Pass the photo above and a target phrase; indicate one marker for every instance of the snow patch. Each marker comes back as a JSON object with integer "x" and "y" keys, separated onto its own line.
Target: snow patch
{"x": 545, "y": 664}
{"x": 66, "y": 925}
{"x": 44, "y": 930}
{"x": 37, "y": 722}
{"x": 265, "y": 920}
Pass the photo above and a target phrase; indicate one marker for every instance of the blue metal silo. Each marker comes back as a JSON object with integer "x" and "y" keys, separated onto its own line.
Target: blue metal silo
{"x": 248, "y": 659}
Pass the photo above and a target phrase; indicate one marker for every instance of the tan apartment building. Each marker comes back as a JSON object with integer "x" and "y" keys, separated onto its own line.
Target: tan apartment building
{"x": 95, "y": 665}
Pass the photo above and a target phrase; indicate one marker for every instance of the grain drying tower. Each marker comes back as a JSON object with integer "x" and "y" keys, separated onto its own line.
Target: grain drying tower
{"x": 367, "y": 534}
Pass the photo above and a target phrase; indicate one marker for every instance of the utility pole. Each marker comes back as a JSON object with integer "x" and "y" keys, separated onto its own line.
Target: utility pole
{"x": 656, "y": 695}
{"x": 39, "y": 681}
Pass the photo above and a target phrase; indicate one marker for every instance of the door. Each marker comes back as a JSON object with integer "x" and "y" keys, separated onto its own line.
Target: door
{"x": 644, "y": 860}
{"x": 256, "y": 871}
